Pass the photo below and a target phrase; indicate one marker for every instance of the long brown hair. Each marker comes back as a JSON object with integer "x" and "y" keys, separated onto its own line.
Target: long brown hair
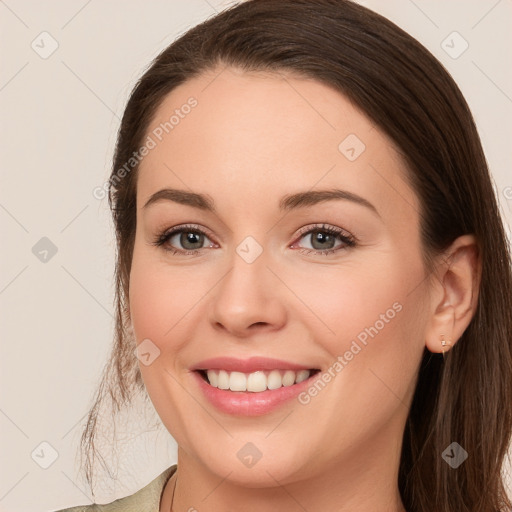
{"x": 399, "y": 85}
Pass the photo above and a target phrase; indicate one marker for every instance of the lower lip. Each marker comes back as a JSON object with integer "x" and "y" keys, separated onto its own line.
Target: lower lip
{"x": 246, "y": 403}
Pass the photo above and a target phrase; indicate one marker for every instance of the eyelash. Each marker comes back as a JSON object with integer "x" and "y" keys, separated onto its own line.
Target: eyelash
{"x": 347, "y": 239}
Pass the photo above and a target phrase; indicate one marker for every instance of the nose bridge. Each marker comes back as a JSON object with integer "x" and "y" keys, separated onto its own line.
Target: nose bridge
{"x": 248, "y": 293}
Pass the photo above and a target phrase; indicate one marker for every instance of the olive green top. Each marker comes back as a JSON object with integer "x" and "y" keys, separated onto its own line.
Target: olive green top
{"x": 145, "y": 500}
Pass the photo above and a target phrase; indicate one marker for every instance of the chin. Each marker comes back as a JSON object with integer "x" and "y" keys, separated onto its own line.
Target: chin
{"x": 258, "y": 464}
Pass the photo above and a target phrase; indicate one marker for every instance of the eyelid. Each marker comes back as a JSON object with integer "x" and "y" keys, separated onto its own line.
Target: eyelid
{"x": 323, "y": 226}
{"x": 191, "y": 227}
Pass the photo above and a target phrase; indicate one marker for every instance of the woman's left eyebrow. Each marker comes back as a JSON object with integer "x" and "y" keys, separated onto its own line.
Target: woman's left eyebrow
{"x": 312, "y": 197}
{"x": 287, "y": 203}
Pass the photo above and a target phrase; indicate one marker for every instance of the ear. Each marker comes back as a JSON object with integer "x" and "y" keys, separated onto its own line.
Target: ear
{"x": 454, "y": 293}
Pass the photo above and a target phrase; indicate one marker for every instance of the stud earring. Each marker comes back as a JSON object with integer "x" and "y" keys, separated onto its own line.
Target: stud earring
{"x": 444, "y": 343}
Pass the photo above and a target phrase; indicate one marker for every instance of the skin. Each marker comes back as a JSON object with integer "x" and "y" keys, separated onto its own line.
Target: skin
{"x": 251, "y": 139}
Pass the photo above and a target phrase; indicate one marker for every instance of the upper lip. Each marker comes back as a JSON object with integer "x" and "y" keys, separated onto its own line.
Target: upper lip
{"x": 252, "y": 364}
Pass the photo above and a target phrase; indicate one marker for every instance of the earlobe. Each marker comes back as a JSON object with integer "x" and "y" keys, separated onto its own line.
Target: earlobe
{"x": 454, "y": 296}
{"x": 440, "y": 332}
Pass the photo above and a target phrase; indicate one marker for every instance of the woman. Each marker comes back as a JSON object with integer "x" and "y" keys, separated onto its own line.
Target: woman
{"x": 313, "y": 270}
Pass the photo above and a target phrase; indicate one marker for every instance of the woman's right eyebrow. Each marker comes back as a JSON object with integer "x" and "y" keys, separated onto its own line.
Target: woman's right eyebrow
{"x": 289, "y": 202}
{"x": 185, "y": 197}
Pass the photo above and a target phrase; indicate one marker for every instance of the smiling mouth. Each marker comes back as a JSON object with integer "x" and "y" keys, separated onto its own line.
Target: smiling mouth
{"x": 255, "y": 382}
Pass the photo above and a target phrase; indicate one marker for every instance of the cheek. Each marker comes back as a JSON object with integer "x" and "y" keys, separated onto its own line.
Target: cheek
{"x": 148, "y": 295}
{"x": 372, "y": 331}
{"x": 368, "y": 313}
{"x": 159, "y": 302}
{"x": 347, "y": 300}
{"x": 161, "y": 297}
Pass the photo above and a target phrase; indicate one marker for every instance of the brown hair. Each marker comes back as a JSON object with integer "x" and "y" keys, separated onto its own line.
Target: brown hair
{"x": 399, "y": 85}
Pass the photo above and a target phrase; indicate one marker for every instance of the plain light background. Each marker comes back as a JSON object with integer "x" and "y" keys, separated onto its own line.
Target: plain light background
{"x": 60, "y": 116}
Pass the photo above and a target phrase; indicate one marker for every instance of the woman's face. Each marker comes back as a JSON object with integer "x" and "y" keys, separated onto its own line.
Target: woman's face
{"x": 303, "y": 255}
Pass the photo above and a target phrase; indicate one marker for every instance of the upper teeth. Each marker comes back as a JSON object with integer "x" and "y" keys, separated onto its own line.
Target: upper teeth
{"x": 256, "y": 381}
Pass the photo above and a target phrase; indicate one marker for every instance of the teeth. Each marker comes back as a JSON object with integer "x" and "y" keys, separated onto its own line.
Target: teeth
{"x": 256, "y": 381}
{"x": 223, "y": 380}
{"x": 302, "y": 375}
{"x": 237, "y": 381}
{"x": 289, "y": 378}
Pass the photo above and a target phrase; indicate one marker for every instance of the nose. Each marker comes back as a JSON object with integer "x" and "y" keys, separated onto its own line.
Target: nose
{"x": 248, "y": 299}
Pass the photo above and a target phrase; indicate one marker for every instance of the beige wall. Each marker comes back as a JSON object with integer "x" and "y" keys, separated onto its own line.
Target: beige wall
{"x": 59, "y": 116}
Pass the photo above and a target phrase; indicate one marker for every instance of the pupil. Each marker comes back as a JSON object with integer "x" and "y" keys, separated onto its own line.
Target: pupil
{"x": 190, "y": 237}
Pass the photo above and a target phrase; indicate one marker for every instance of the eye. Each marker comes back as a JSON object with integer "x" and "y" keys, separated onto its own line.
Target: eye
{"x": 323, "y": 239}
{"x": 190, "y": 237}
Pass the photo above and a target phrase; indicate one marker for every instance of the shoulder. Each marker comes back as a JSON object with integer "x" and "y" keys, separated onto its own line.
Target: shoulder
{"x": 146, "y": 499}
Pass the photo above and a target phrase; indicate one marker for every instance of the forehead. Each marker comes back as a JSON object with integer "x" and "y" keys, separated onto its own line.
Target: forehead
{"x": 268, "y": 134}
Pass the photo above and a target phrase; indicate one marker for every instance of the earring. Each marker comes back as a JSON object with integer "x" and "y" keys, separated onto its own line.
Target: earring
{"x": 444, "y": 343}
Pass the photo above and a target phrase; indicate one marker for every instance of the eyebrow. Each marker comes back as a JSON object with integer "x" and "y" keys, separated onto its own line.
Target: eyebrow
{"x": 287, "y": 203}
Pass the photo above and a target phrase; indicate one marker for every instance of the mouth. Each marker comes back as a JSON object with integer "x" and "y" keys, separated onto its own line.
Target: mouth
{"x": 251, "y": 387}
{"x": 255, "y": 382}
